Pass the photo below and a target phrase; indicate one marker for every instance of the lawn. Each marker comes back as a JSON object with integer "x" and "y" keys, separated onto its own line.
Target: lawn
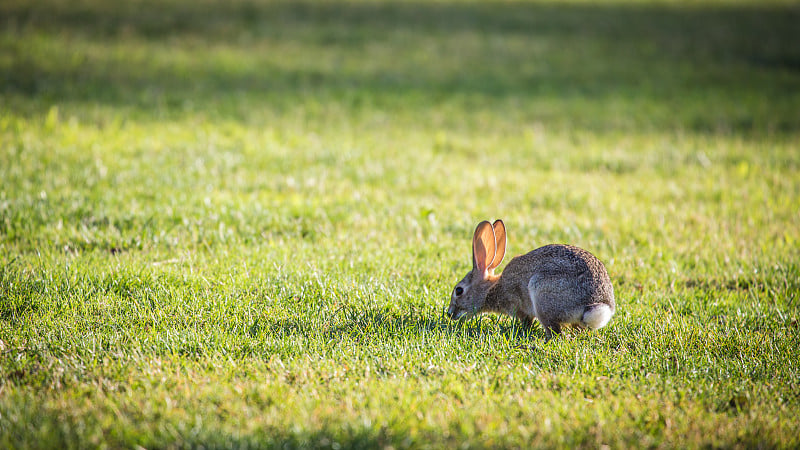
{"x": 231, "y": 224}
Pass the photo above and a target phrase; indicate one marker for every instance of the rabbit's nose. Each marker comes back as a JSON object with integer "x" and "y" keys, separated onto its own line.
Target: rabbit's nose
{"x": 451, "y": 312}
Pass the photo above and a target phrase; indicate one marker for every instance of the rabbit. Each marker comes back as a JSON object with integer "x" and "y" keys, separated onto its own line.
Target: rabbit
{"x": 556, "y": 284}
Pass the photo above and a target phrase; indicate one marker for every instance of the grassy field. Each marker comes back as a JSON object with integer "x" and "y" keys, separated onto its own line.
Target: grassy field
{"x": 236, "y": 224}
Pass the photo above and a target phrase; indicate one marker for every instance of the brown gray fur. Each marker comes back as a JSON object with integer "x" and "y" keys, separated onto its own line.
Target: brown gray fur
{"x": 556, "y": 284}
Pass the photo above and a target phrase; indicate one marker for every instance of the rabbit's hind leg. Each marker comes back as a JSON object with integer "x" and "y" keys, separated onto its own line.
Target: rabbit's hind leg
{"x": 551, "y": 330}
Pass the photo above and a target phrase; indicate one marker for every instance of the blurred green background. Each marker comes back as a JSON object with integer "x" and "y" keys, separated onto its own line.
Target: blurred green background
{"x": 237, "y": 223}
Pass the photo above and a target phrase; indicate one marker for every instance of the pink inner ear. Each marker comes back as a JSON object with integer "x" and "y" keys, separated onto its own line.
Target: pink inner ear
{"x": 500, "y": 243}
{"x": 483, "y": 247}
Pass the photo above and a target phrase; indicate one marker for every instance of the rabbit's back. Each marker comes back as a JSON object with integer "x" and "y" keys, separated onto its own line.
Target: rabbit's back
{"x": 572, "y": 268}
{"x": 559, "y": 282}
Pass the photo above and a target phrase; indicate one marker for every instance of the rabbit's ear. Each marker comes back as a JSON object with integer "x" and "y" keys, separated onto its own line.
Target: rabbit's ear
{"x": 483, "y": 248}
{"x": 500, "y": 243}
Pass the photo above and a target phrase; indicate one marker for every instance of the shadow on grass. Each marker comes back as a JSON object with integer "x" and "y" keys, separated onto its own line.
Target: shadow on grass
{"x": 382, "y": 324}
{"x": 666, "y": 62}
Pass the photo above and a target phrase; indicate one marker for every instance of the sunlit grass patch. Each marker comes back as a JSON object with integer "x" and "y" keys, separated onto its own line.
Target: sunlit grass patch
{"x": 238, "y": 224}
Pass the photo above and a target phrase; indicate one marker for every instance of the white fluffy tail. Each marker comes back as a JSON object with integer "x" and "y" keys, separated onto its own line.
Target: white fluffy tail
{"x": 597, "y": 316}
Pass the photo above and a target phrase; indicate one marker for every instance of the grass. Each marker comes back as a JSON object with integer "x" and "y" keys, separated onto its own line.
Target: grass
{"x": 237, "y": 224}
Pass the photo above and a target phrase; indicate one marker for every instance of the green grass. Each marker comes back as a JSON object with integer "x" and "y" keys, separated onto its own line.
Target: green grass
{"x": 237, "y": 224}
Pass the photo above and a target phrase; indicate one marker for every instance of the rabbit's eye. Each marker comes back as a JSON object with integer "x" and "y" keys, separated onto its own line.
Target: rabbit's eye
{"x": 459, "y": 290}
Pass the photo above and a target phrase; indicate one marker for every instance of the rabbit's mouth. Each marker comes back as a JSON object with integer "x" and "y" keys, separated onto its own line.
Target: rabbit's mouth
{"x": 457, "y": 315}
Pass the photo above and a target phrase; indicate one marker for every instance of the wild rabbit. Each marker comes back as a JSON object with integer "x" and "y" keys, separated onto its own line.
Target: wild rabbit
{"x": 556, "y": 284}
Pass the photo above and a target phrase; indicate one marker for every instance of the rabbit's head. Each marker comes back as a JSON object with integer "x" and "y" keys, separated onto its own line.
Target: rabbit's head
{"x": 488, "y": 248}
